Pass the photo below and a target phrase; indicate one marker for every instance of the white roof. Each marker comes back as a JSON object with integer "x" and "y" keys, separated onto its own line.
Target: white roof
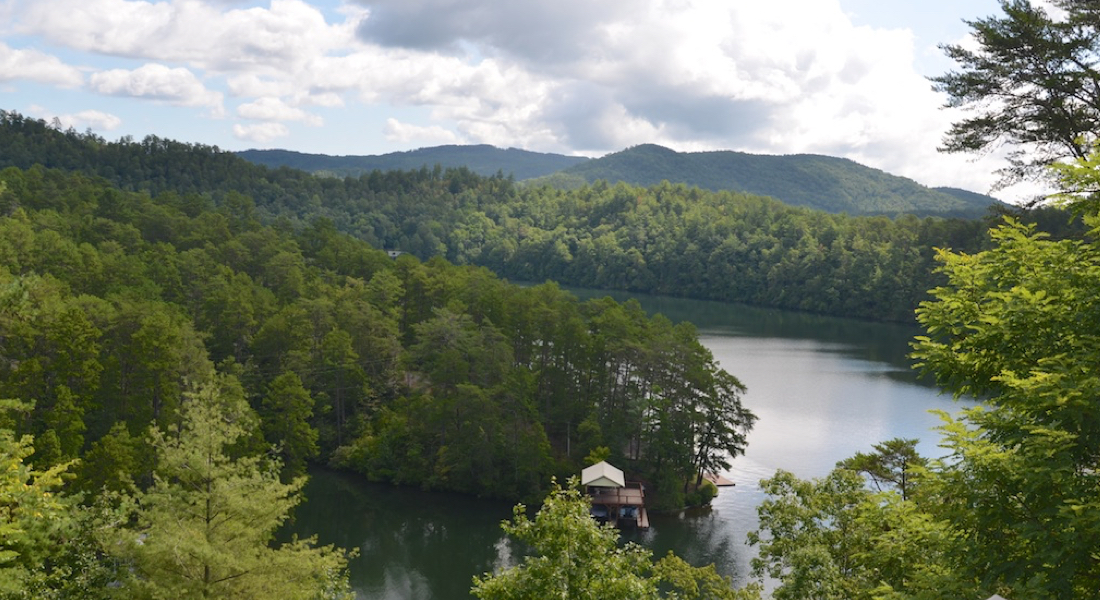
{"x": 602, "y": 474}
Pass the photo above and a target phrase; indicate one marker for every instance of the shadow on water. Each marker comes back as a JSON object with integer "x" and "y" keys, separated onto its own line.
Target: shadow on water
{"x": 411, "y": 544}
{"x": 700, "y": 536}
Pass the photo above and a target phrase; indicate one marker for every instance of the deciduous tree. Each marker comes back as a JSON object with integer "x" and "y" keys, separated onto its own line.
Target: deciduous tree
{"x": 575, "y": 558}
{"x": 1016, "y": 325}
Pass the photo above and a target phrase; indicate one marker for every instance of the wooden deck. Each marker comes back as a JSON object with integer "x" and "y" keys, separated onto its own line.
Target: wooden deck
{"x": 619, "y": 497}
{"x": 624, "y": 507}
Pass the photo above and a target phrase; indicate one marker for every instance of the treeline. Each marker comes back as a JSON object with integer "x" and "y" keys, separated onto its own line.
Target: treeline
{"x": 674, "y": 240}
{"x": 667, "y": 239}
{"x": 115, "y": 304}
{"x": 482, "y": 159}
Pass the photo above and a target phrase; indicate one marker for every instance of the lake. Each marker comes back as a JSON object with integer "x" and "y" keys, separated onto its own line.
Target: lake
{"x": 823, "y": 389}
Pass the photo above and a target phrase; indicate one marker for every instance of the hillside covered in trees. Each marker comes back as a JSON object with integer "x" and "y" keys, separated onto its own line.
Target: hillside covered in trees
{"x": 116, "y": 301}
{"x": 834, "y": 185}
{"x": 820, "y": 182}
{"x": 140, "y": 332}
{"x": 665, "y": 239}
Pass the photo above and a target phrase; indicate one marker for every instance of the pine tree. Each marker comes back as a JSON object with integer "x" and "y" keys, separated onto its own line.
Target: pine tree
{"x": 287, "y": 409}
{"x": 204, "y": 528}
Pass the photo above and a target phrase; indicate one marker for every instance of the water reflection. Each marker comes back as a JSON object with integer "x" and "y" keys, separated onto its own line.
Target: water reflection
{"x": 886, "y": 344}
{"x": 699, "y": 536}
{"x": 411, "y": 544}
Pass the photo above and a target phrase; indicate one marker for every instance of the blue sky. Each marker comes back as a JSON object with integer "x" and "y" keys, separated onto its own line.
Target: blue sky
{"x": 838, "y": 77}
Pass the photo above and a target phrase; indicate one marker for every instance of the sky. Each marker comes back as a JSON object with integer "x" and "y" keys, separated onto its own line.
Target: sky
{"x": 580, "y": 77}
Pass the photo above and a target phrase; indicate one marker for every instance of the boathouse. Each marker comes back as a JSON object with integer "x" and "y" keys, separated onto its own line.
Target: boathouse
{"x": 614, "y": 500}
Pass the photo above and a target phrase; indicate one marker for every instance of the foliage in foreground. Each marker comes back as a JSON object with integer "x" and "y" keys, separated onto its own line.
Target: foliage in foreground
{"x": 1013, "y": 508}
{"x": 204, "y": 528}
{"x": 574, "y": 557}
{"x": 47, "y": 540}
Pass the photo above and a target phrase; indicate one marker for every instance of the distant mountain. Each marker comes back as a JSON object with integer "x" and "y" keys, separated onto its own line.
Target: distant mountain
{"x": 482, "y": 159}
{"x": 821, "y": 182}
{"x": 964, "y": 195}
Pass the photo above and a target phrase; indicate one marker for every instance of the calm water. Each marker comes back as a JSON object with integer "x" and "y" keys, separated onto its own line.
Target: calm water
{"x": 823, "y": 389}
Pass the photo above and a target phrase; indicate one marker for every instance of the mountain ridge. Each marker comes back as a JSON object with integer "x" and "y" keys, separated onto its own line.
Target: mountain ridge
{"x": 828, "y": 183}
{"x": 482, "y": 159}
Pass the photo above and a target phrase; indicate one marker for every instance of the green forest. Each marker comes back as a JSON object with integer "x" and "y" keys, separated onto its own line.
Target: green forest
{"x": 182, "y": 333}
{"x": 825, "y": 183}
{"x": 665, "y": 239}
{"x": 126, "y": 319}
{"x": 481, "y": 159}
{"x": 162, "y": 301}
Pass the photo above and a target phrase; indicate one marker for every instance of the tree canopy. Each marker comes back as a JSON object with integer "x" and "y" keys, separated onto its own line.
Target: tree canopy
{"x": 667, "y": 238}
{"x": 1016, "y": 326}
{"x": 1012, "y": 508}
{"x": 413, "y": 372}
{"x": 157, "y": 333}
{"x": 1032, "y": 83}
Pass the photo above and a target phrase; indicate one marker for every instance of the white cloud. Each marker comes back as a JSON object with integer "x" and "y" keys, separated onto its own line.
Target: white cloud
{"x": 252, "y": 85}
{"x": 201, "y": 34}
{"x": 325, "y": 99}
{"x": 547, "y": 32}
{"x": 784, "y": 76}
{"x": 33, "y": 65}
{"x": 569, "y": 76}
{"x": 397, "y": 131}
{"x": 94, "y": 119}
{"x": 157, "y": 82}
{"x": 261, "y": 133}
{"x": 780, "y": 77}
{"x": 274, "y": 109}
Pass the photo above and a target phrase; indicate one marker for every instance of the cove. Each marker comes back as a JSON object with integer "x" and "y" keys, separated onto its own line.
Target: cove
{"x": 823, "y": 388}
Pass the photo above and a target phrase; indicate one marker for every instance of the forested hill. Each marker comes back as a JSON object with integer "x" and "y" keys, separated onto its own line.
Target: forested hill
{"x": 822, "y": 182}
{"x": 114, "y": 303}
{"x": 481, "y": 159}
{"x": 666, "y": 239}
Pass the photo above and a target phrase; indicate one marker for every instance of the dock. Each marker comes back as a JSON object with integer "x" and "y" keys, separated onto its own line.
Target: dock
{"x": 614, "y": 500}
{"x": 718, "y": 480}
{"x": 622, "y": 507}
